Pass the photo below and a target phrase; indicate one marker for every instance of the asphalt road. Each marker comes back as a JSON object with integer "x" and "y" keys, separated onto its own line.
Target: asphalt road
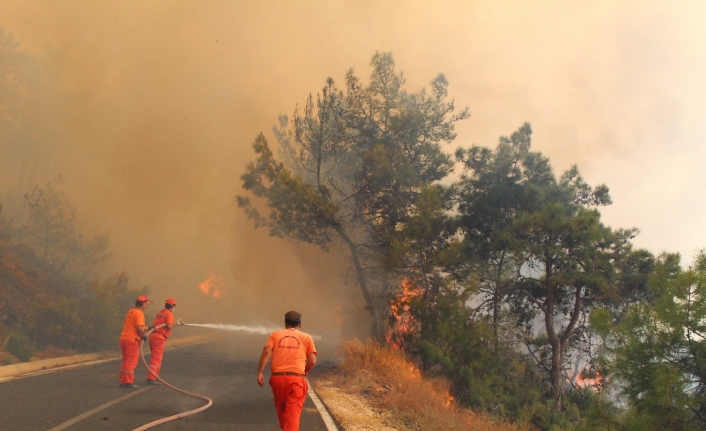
{"x": 224, "y": 371}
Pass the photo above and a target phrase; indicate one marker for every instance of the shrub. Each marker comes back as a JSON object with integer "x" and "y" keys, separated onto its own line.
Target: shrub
{"x": 423, "y": 403}
{"x": 20, "y": 346}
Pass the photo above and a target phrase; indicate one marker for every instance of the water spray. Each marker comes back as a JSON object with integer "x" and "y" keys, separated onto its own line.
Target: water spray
{"x": 241, "y": 328}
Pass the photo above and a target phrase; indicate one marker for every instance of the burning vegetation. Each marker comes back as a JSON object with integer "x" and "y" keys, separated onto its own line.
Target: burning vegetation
{"x": 507, "y": 271}
{"x": 382, "y": 375}
{"x": 403, "y": 324}
{"x": 212, "y": 286}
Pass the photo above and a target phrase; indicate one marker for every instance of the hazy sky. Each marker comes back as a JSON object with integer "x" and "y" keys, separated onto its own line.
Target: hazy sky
{"x": 166, "y": 98}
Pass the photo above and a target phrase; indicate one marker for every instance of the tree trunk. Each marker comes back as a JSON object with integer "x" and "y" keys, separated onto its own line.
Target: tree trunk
{"x": 375, "y": 329}
{"x": 497, "y": 296}
{"x": 556, "y": 375}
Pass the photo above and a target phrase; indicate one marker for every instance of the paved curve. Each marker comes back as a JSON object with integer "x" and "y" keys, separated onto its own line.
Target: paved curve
{"x": 223, "y": 371}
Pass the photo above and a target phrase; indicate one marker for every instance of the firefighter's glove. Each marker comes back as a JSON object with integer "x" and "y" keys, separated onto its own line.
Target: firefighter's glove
{"x": 144, "y": 339}
{"x": 151, "y": 328}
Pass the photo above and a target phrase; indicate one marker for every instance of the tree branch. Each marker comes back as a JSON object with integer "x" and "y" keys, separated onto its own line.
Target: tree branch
{"x": 534, "y": 300}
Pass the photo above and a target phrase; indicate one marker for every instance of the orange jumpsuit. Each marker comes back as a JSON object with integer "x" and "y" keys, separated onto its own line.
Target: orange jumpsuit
{"x": 158, "y": 339}
{"x": 290, "y": 348}
{"x": 130, "y": 345}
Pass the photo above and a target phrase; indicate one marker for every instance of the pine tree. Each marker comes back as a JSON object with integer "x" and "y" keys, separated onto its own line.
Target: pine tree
{"x": 351, "y": 170}
{"x": 657, "y": 357}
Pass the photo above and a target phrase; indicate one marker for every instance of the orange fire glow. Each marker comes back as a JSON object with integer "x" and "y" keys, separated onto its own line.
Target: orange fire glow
{"x": 212, "y": 286}
{"x": 594, "y": 381}
{"x": 403, "y": 324}
{"x": 449, "y": 399}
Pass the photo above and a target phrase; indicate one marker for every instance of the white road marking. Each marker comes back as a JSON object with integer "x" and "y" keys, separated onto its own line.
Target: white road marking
{"x": 63, "y": 367}
{"x": 97, "y": 409}
{"x": 330, "y": 424}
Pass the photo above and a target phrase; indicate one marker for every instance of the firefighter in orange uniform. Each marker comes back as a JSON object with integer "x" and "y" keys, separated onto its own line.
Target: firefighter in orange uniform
{"x": 158, "y": 338}
{"x": 130, "y": 338}
{"x": 293, "y": 355}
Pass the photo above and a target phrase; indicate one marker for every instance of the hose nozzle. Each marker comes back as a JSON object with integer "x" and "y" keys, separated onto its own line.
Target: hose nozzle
{"x": 179, "y": 322}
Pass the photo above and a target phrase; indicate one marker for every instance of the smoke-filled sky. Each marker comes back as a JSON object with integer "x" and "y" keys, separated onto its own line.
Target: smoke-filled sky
{"x": 161, "y": 100}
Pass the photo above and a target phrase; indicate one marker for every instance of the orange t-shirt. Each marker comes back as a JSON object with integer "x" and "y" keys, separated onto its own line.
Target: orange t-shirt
{"x": 164, "y": 316}
{"x": 133, "y": 318}
{"x": 290, "y": 348}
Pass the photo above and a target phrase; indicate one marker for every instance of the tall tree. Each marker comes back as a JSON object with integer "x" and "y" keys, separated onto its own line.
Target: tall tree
{"x": 657, "y": 350}
{"x": 561, "y": 260}
{"x": 492, "y": 191}
{"x": 424, "y": 246}
{"x": 52, "y": 228}
{"x": 351, "y": 169}
{"x": 52, "y": 222}
{"x": 570, "y": 263}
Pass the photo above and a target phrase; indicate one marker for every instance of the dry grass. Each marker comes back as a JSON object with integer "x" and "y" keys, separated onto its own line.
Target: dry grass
{"x": 48, "y": 353}
{"x": 388, "y": 381}
{"x": 7, "y": 359}
{"x": 52, "y": 352}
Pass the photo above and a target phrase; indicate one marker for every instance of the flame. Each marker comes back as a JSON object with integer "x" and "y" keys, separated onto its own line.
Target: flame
{"x": 403, "y": 324}
{"x": 449, "y": 399}
{"x": 212, "y": 286}
{"x": 205, "y": 287}
{"x": 584, "y": 380}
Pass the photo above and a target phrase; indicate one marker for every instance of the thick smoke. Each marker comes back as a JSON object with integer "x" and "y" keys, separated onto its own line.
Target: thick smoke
{"x": 154, "y": 106}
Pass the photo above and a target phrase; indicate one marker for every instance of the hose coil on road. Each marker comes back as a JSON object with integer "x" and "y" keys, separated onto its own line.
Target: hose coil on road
{"x": 174, "y": 388}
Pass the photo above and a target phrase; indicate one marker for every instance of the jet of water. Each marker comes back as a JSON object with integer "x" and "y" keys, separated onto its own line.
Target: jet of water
{"x": 243, "y": 328}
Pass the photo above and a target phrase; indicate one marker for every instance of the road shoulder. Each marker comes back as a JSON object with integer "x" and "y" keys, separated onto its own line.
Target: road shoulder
{"x": 24, "y": 368}
{"x": 351, "y": 412}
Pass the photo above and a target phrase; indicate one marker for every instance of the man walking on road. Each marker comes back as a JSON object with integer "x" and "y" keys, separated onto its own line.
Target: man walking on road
{"x": 158, "y": 338}
{"x": 293, "y": 355}
{"x": 131, "y": 337}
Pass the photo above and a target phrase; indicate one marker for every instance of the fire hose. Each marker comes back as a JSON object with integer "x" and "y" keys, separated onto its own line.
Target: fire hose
{"x": 177, "y": 416}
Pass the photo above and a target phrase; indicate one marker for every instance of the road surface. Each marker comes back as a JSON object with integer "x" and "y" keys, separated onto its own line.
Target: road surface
{"x": 89, "y": 398}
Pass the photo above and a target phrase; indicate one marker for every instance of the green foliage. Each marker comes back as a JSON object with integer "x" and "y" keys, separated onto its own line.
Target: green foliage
{"x": 61, "y": 322}
{"x": 18, "y": 344}
{"x": 88, "y": 322}
{"x": 51, "y": 300}
{"x": 494, "y": 278}
{"x": 458, "y": 346}
{"x": 456, "y": 343}
{"x": 106, "y": 304}
{"x": 598, "y": 411}
{"x": 493, "y": 190}
{"x": 296, "y": 208}
{"x": 52, "y": 221}
{"x": 657, "y": 352}
{"x": 601, "y": 320}
{"x": 352, "y": 168}
{"x": 52, "y": 228}
{"x": 539, "y": 246}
